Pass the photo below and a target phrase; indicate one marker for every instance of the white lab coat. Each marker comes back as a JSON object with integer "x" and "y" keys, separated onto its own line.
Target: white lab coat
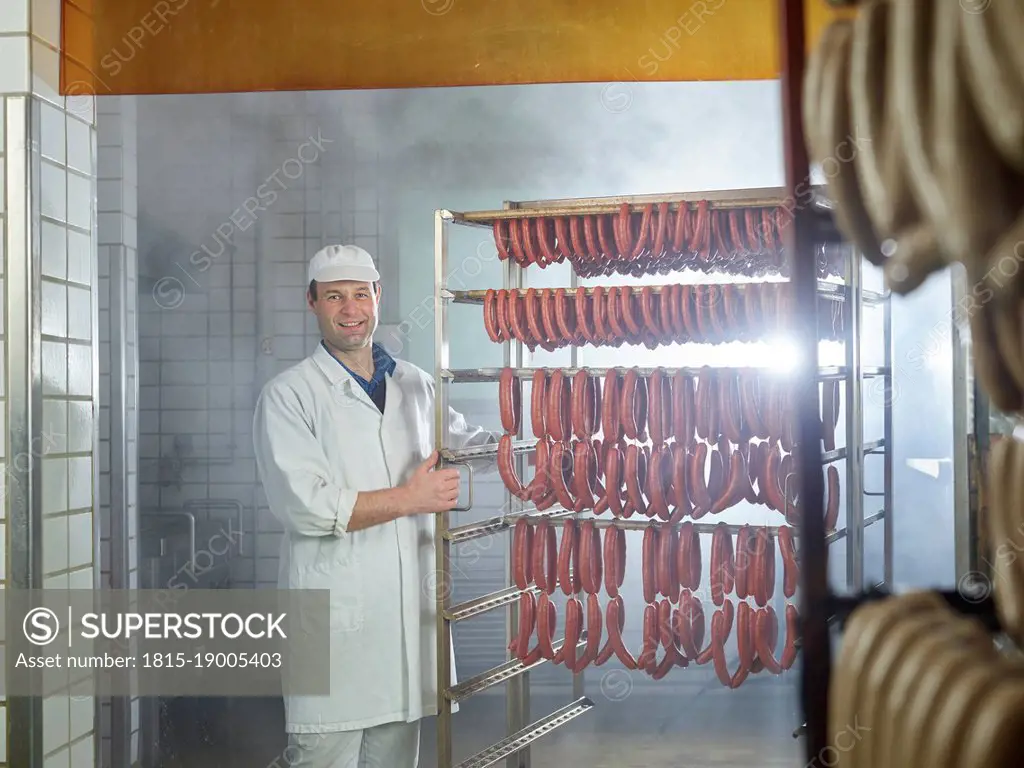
{"x": 319, "y": 440}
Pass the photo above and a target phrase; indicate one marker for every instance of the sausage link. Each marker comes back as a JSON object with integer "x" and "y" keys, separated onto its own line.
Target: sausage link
{"x": 528, "y": 241}
{"x": 716, "y": 475}
{"x": 562, "y": 242}
{"x": 507, "y": 470}
{"x": 731, "y": 407}
{"x": 580, "y": 387}
{"x": 634, "y": 471}
{"x": 832, "y": 506}
{"x": 790, "y": 568}
{"x": 544, "y": 234}
{"x": 590, "y": 558}
{"x": 745, "y": 555}
{"x": 599, "y": 304}
{"x": 767, "y": 636}
{"x": 629, "y": 313}
{"x": 547, "y": 621}
{"x": 697, "y": 485}
{"x": 679, "y": 486}
{"x": 510, "y": 400}
{"x": 744, "y": 617}
{"x": 522, "y": 554}
{"x": 545, "y": 557}
{"x": 623, "y": 233}
{"x": 792, "y": 634}
{"x": 688, "y": 557}
{"x": 611, "y": 421}
{"x": 668, "y": 570}
{"x": 573, "y": 631}
{"x": 534, "y": 321}
{"x": 648, "y": 653}
{"x": 584, "y": 315}
{"x": 491, "y": 316}
{"x": 653, "y": 334}
{"x": 594, "y": 620}
{"x": 540, "y": 487}
{"x": 640, "y": 246}
{"x": 614, "y": 560}
{"x": 659, "y": 481}
{"x": 613, "y": 477}
{"x": 560, "y": 471}
{"x": 615, "y": 622}
{"x": 565, "y": 315}
{"x": 559, "y": 413}
{"x": 617, "y": 333}
{"x": 581, "y": 476}
{"x": 568, "y": 558}
{"x": 724, "y": 617}
{"x": 538, "y": 402}
{"x": 579, "y": 246}
{"x": 648, "y": 565}
{"x": 736, "y": 486}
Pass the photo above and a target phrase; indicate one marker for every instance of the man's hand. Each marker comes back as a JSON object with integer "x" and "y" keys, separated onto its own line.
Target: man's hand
{"x": 432, "y": 490}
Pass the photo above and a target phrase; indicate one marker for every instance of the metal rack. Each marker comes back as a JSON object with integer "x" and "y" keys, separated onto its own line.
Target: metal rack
{"x": 521, "y": 730}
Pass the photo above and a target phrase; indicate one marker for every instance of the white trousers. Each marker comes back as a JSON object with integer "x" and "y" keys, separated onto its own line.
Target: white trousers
{"x": 392, "y": 745}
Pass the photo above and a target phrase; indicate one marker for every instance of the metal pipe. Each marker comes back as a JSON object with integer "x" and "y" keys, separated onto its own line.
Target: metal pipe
{"x": 854, "y": 427}
{"x": 477, "y": 375}
{"x": 191, "y": 528}
{"x": 826, "y": 290}
{"x": 442, "y": 548}
{"x": 814, "y": 628}
{"x": 887, "y": 457}
{"x": 213, "y": 504}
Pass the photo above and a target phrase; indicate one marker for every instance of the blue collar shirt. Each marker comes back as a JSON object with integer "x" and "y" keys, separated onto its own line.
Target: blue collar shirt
{"x": 383, "y": 365}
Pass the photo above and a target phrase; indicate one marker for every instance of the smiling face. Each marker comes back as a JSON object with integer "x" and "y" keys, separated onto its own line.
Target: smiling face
{"x": 347, "y": 313}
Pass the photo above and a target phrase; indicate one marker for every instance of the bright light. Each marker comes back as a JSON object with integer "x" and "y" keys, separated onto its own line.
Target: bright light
{"x": 782, "y": 354}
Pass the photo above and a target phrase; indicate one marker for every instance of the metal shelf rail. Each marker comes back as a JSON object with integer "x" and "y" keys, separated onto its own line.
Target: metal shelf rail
{"x": 521, "y": 730}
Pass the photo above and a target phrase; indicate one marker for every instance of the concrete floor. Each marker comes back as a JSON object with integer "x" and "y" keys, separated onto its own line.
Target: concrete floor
{"x": 693, "y": 726}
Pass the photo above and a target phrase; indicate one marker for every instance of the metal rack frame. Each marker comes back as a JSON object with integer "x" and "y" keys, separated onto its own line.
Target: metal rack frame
{"x": 515, "y": 747}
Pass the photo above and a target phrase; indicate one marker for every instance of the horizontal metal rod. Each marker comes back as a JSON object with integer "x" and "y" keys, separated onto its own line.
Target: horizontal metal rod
{"x": 504, "y": 672}
{"x": 874, "y": 518}
{"x": 495, "y": 525}
{"x": 458, "y": 455}
{"x": 765, "y": 197}
{"x": 841, "y": 453}
{"x": 832, "y": 291}
{"x": 479, "y": 375}
{"x": 488, "y": 602}
{"x": 521, "y": 739}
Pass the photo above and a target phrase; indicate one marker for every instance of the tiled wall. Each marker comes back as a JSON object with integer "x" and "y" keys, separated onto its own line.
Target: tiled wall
{"x": 118, "y": 357}
{"x": 49, "y": 184}
{"x": 228, "y": 221}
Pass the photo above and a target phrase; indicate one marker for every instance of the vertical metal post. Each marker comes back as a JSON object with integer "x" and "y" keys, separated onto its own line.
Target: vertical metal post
{"x": 799, "y": 245}
{"x": 887, "y": 456}
{"x": 441, "y": 544}
{"x": 120, "y": 725}
{"x": 23, "y": 387}
{"x": 517, "y": 690}
{"x": 578, "y": 681}
{"x": 970, "y": 424}
{"x": 853, "y": 307}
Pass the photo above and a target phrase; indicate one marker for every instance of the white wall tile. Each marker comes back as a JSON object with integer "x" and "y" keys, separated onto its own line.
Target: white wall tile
{"x": 79, "y": 313}
{"x": 46, "y": 73}
{"x": 45, "y": 20}
{"x": 80, "y": 136}
{"x": 80, "y": 257}
{"x": 80, "y": 538}
{"x": 52, "y": 134}
{"x": 79, "y": 426}
{"x": 80, "y": 201}
{"x": 54, "y": 309}
{"x": 55, "y": 485}
{"x": 55, "y": 368}
{"x": 53, "y": 191}
{"x": 56, "y": 719}
{"x": 13, "y": 62}
{"x": 79, "y": 370}
{"x": 15, "y": 16}
{"x": 55, "y": 250}
{"x": 55, "y": 425}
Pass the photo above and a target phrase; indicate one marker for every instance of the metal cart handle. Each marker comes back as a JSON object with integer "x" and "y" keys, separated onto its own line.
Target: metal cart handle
{"x": 468, "y": 466}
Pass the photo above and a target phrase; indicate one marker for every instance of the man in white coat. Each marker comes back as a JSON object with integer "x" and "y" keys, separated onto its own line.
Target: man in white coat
{"x": 344, "y": 444}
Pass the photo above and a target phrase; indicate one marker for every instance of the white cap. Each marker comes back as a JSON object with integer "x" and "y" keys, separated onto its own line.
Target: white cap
{"x": 342, "y": 262}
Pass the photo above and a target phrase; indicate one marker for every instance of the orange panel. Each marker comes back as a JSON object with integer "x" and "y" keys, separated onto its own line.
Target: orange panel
{"x": 204, "y": 46}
